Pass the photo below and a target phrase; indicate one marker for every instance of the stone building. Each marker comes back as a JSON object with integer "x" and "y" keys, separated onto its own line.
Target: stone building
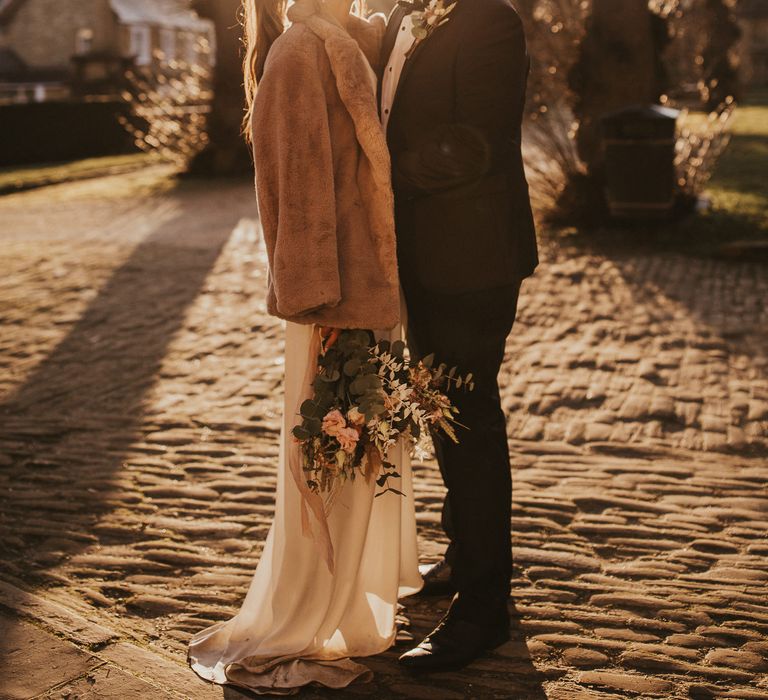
{"x": 50, "y": 49}
{"x": 753, "y": 21}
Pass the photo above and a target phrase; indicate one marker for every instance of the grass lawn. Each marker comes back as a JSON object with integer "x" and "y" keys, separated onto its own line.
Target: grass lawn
{"x": 17, "y": 178}
{"x": 739, "y": 187}
{"x": 736, "y": 225}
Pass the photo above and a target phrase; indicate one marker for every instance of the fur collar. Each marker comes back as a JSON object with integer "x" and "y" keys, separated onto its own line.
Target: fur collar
{"x": 347, "y": 56}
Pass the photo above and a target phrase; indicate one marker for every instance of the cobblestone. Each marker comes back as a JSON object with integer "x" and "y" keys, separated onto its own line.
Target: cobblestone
{"x": 140, "y": 382}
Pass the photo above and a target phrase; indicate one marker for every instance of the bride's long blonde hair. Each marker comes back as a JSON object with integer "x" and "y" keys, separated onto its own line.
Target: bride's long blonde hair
{"x": 263, "y": 22}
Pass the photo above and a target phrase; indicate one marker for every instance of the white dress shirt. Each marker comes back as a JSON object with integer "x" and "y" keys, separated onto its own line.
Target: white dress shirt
{"x": 394, "y": 68}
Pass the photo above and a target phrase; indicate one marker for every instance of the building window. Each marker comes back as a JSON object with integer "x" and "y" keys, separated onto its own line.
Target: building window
{"x": 168, "y": 44}
{"x": 84, "y": 41}
{"x": 190, "y": 49}
{"x": 141, "y": 45}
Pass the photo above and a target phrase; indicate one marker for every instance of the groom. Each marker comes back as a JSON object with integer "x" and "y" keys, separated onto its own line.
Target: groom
{"x": 452, "y": 93}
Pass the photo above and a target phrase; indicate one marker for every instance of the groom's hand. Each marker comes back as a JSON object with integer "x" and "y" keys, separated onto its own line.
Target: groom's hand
{"x": 450, "y": 156}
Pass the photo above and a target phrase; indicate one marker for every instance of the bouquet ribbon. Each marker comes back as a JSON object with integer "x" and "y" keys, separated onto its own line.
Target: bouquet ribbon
{"x": 314, "y": 521}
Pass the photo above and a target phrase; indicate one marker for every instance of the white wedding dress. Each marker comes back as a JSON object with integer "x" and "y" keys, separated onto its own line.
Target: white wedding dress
{"x": 300, "y": 623}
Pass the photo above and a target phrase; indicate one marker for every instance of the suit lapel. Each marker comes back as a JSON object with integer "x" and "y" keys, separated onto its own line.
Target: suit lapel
{"x": 407, "y": 69}
{"x": 408, "y": 65}
{"x": 395, "y": 20}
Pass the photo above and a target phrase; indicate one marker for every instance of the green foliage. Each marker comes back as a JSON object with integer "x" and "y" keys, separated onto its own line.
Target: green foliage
{"x": 738, "y": 186}
{"x": 739, "y": 197}
{"x": 393, "y": 398}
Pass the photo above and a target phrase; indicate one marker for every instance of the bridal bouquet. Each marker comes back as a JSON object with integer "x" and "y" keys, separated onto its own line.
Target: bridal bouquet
{"x": 368, "y": 395}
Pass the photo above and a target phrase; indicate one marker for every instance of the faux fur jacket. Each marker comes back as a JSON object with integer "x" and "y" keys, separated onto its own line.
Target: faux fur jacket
{"x": 323, "y": 175}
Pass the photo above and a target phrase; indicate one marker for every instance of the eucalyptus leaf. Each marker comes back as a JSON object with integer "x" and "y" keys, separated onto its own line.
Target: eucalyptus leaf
{"x": 352, "y": 367}
{"x": 310, "y": 409}
{"x": 389, "y": 490}
{"x": 301, "y": 433}
{"x": 364, "y": 383}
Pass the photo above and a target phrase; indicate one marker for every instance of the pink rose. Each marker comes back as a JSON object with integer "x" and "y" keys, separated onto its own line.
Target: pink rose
{"x": 334, "y": 423}
{"x": 348, "y": 439}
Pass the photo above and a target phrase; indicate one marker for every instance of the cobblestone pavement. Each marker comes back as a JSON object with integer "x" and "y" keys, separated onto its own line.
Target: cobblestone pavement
{"x": 139, "y": 410}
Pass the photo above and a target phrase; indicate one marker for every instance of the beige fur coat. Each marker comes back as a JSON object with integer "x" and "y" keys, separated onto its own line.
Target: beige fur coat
{"x": 323, "y": 176}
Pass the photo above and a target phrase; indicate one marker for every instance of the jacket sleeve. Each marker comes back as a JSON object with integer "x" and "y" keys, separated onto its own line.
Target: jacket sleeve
{"x": 295, "y": 182}
{"x": 490, "y": 77}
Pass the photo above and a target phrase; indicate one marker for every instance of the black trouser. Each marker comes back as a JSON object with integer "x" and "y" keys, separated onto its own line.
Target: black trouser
{"x": 469, "y": 331}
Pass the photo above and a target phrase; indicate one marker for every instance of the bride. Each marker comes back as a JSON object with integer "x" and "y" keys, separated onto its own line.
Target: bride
{"x": 327, "y": 584}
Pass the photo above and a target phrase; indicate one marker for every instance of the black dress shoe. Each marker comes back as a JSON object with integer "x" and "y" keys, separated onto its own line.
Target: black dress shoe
{"x": 454, "y": 643}
{"x": 437, "y": 580}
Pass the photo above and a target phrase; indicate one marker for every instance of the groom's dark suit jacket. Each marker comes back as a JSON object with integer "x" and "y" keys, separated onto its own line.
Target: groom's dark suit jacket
{"x": 464, "y": 219}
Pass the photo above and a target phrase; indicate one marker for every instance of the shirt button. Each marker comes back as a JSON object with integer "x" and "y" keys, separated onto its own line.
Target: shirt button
{"x": 391, "y": 69}
{"x": 386, "y": 111}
